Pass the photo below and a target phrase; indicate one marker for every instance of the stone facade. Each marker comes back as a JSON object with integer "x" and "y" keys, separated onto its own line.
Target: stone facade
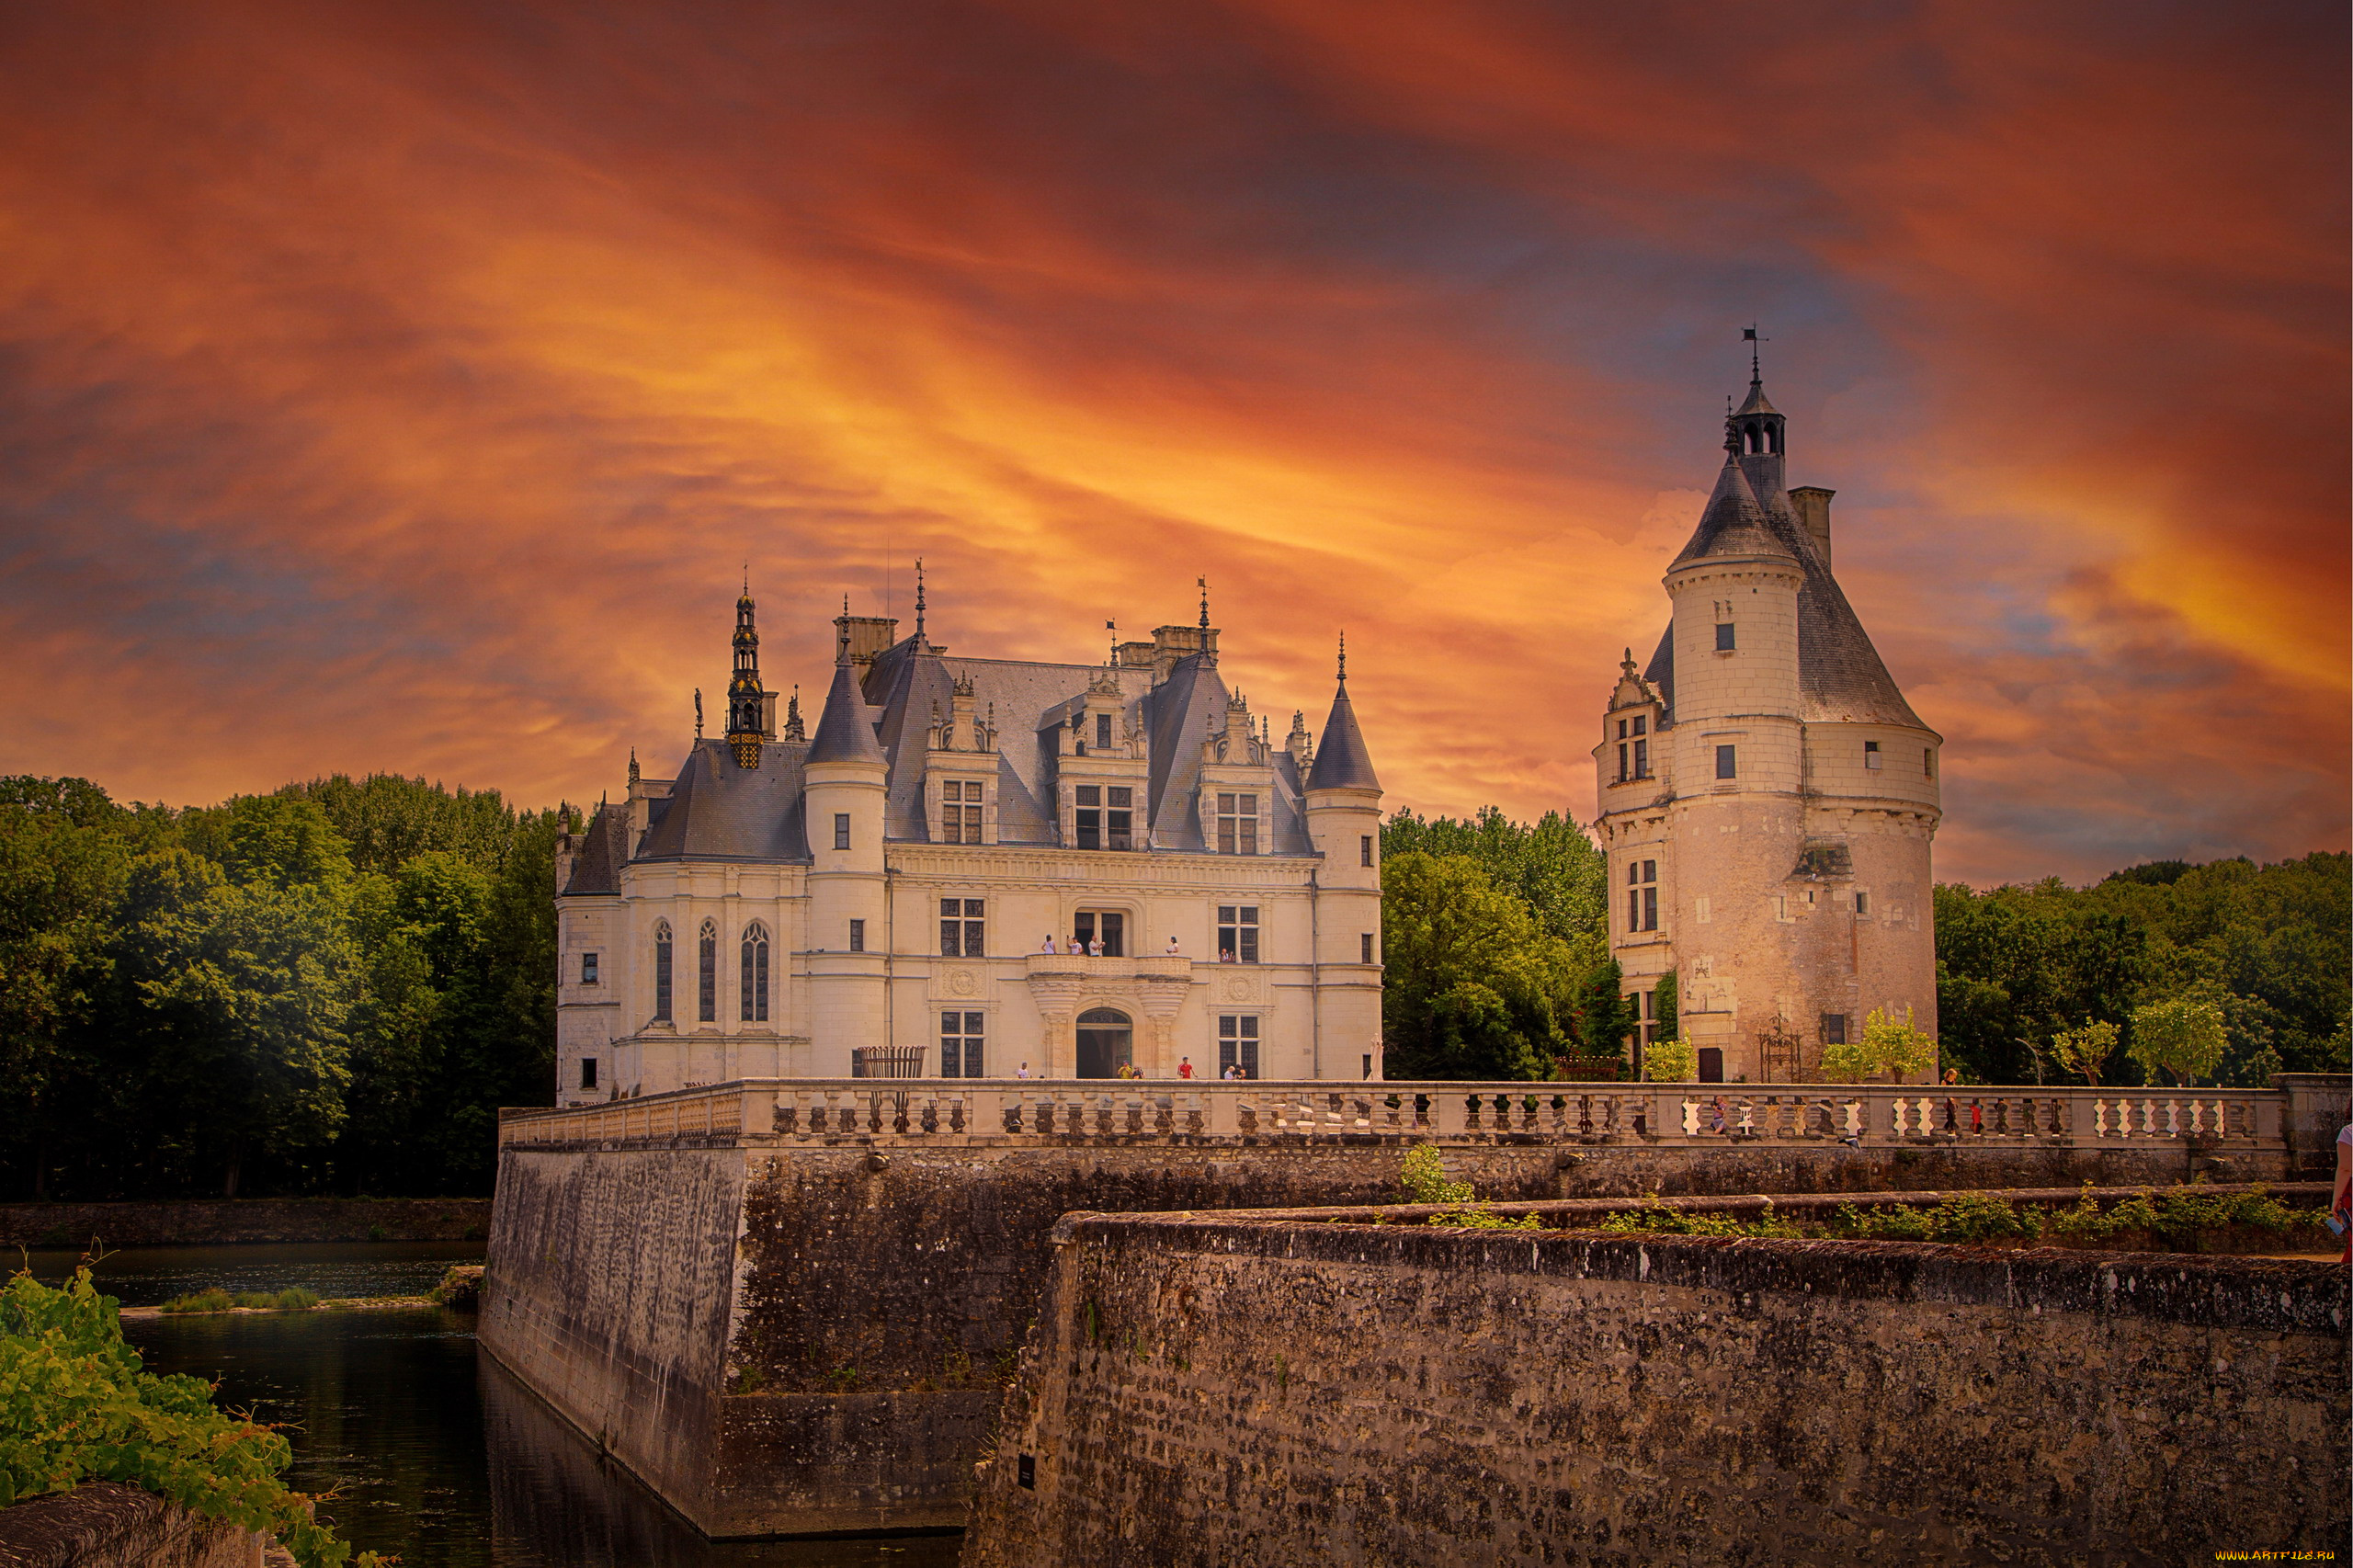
{"x": 1218, "y": 1390}
{"x": 1767, "y": 796}
{"x": 976, "y": 867}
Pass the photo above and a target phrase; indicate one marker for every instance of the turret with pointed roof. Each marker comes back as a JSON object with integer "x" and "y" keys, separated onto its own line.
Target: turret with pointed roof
{"x": 1342, "y": 760}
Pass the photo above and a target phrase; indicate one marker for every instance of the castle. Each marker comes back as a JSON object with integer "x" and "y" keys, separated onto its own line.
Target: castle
{"x": 979, "y": 868}
{"x": 1767, "y": 796}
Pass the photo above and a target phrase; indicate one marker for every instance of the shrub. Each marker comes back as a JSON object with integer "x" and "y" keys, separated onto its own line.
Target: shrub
{"x": 74, "y": 1406}
{"x": 213, "y": 1300}
{"x": 1422, "y": 1179}
{"x": 2085, "y": 1049}
{"x": 2183, "y": 1035}
{"x": 1670, "y": 1061}
{"x": 1483, "y": 1218}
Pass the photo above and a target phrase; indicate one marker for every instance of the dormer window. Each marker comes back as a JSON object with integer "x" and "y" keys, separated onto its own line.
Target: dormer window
{"x": 1725, "y": 643}
{"x": 1102, "y": 732}
{"x": 959, "y": 811}
{"x": 1105, "y": 816}
{"x": 1238, "y": 824}
{"x": 1641, "y": 723}
{"x": 1622, "y": 728}
{"x": 1642, "y": 759}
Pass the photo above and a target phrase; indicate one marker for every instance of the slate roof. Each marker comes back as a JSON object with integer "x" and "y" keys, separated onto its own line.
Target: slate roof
{"x": 1840, "y": 675}
{"x": 845, "y": 732}
{"x": 1342, "y": 761}
{"x": 717, "y": 811}
{"x": 604, "y": 846}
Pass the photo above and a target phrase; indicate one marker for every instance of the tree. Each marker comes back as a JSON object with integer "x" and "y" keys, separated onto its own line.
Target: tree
{"x": 1669, "y": 1008}
{"x": 1605, "y": 1016}
{"x": 1670, "y": 1061}
{"x": 2085, "y": 1049}
{"x": 1887, "y": 1045}
{"x": 1474, "y": 987}
{"x": 2183, "y": 1035}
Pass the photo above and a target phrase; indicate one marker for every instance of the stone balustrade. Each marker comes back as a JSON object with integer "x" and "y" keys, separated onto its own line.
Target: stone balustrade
{"x": 1002, "y": 1112}
{"x": 1146, "y": 966}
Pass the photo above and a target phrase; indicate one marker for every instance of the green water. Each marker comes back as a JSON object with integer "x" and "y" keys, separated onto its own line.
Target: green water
{"x": 432, "y": 1450}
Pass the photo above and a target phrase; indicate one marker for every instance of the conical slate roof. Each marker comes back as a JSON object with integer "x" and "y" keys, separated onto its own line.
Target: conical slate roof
{"x": 1733, "y": 523}
{"x": 1341, "y": 760}
{"x": 1757, "y": 402}
{"x": 845, "y": 734}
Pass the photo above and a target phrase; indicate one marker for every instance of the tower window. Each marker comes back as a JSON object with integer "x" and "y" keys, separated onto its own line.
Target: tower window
{"x": 587, "y": 969}
{"x": 707, "y": 974}
{"x": 858, "y": 936}
{"x": 1641, "y": 723}
{"x": 1102, "y": 732}
{"x": 755, "y": 980}
{"x": 963, "y": 928}
{"x": 1238, "y": 824}
{"x": 1834, "y": 1029}
{"x": 1237, "y": 933}
{"x": 1928, "y": 761}
{"x": 1642, "y": 895}
{"x": 587, "y": 1072}
{"x": 1727, "y": 762}
{"x": 1109, "y": 927}
{"x": 662, "y": 972}
{"x": 1625, "y": 763}
{"x": 959, "y": 811}
{"x": 1622, "y": 728}
{"x": 1364, "y": 944}
{"x": 1870, "y": 753}
{"x": 959, "y": 1045}
{"x": 1364, "y": 849}
{"x": 841, "y": 830}
{"x": 1862, "y": 902}
{"x": 1642, "y": 759}
{"x": 1724, "y": 643}
{"x": 1237, "y": 1045}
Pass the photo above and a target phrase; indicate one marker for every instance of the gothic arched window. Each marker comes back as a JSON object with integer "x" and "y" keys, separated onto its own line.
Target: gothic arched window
{"x": 754, "y": 988}
{"x": 662, "y": 971}
{"x": 707, "y": 974}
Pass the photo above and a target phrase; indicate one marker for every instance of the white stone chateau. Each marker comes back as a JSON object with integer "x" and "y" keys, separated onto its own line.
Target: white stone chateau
{"x": 1768, "y": 797}
{"x": 977, "y": 865}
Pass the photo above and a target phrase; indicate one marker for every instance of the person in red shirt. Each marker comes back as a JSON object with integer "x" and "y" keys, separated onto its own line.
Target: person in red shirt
{"x": 1185, "y": 1067}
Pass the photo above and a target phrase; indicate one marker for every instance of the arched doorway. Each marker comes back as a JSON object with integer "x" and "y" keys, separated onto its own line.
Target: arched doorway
{"x": 1106, "y": 1042}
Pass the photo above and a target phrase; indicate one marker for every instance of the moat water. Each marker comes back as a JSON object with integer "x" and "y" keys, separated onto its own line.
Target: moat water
{"x": 431, "y": 1449}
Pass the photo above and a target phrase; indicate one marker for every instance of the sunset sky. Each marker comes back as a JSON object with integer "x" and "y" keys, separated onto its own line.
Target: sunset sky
{"x": 405, "y": 387}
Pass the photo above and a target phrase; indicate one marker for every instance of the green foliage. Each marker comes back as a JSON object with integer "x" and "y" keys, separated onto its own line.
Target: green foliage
{"x": 1422, "y": 1179}
{"x": 293, "y": 1300}
{"x": 74, "y": 1406}
{"x": 2084, "y": 1049}
{"x": 333, "y": 986}
{"x": 1975, "y": 1217}
{"x": 1550, "y": 866}
{"x": 1474, "y": 987}
{"x": 1670, "y": 1061}
{"x": 1887, "y": 1045}
{"x": 2182, "y": 1035}
{"x": 1670, "y": 1008}
{"x": 2016, "y": 966}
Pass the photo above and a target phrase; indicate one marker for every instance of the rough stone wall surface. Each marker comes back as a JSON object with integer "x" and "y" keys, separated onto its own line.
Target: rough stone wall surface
{"x": 245, "y": 1219}
{"x": 102, "y": 1525}
{"x": 609, "y": 1283}
{"x": 1225, "y": 1390}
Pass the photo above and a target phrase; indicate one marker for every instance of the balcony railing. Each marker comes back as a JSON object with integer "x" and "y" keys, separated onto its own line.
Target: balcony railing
{"x": 1011, "y": 1112}
{"x": 1178, "y": 965}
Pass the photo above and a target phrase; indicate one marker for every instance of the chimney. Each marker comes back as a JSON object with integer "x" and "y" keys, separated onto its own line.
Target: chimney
{"x": 767, "y": 716}
{"x": 1813, "y": 502}
{"x": 868, "y": 635}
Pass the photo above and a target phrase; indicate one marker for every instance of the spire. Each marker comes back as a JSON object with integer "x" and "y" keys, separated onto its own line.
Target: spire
{"x": 697, "y": 713}
{"x": 1754, "y": 431}
{"x": 746, "y": 709}
{"x": 1342, "y": 761}
{"x": 1344, "y": 658}
{"x": 633, "y": 767}
{"x": 918, "y": 601}
{"x": 1203, "y": 584}
{"x": 1733, "y": 522}
{"x": 843, "y": 731}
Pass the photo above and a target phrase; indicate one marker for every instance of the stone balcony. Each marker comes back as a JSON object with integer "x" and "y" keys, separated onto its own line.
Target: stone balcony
{"x": 1156, "y": 966}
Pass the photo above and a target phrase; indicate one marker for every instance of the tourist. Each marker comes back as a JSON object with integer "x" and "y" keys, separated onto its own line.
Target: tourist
{"x": 1095, "y": 946}
{"x": 1025, "y": 1066}
{"x": 1716, "y": 1118}
{"x": 1172, "y": 949}
{"x": 1185, "y": 1067}
{"x": 1225, "y": 955}
{"x": 1227, "y": 1074}
{"x": 1048, "y": 944}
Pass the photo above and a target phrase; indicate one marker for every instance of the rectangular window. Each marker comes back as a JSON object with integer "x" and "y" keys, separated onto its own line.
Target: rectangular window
{"x": 1723, "y": 637}
{"x": 1622, "y": 728}
{"x": 1928, "y": 761}
{"x": 587, "y": 1072}
{"x": 959, "y": 1045}
{"x": 1727, "y": 763}
{"x": 1102, "y": 732}
{"x": 1834, "y": 1029}
{"x": 1649, "y": 1000}
{"x": 1238, "y": 824}
{"x": 1118, "y": 817}
{"x": 1641, "y": 724}
{"x": 1364, "y": 850}
{"x": 959, "y": 811}
{"x": 1649, "y": 909}
{"x": 1364, "y": 941}
{"x": 1089, "y": 801}
{"x": 1108, "y": 927}
{"x": 1237, "y": 1045}
{"x": 1642, "y": 759}
{"x": 1870, "y": 753}
{"x": 858, "y": 936}
{"x": 841, "y": 830}
{"x": 1862, "y": 904}
{"x": 1237, "y": 933}
{"x": 963, "y": 928}
{"x": 587, "y": 969}
{"x": 1642, "y": 895}
{"x": 1625, "y": 770}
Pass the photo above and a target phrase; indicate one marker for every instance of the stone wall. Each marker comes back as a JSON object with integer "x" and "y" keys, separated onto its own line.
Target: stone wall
{"x": 839, "y": 1369}
{"x": 205, "y": 1223}
{"x": 102, "y": 1525}
{"x": 1225, "y": 1389}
